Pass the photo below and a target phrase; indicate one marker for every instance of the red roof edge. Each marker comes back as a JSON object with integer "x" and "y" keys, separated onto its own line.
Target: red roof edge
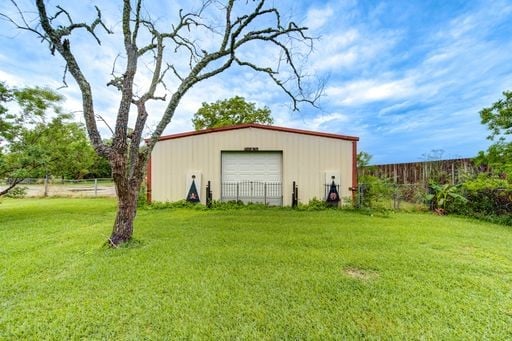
{"x": 259, "y": 126}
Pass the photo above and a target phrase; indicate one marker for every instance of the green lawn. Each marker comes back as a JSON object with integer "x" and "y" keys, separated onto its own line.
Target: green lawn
{"x": 258, "y": 274}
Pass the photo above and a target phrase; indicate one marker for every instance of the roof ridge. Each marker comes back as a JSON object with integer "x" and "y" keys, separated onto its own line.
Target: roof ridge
{"x": 258, "y": 126}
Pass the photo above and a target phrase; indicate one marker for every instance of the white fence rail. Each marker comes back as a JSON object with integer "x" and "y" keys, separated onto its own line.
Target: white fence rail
{"x": 67, "y": 188}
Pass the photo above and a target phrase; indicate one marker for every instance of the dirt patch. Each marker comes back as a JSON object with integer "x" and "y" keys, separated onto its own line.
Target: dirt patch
{"x": 361, "y": 274}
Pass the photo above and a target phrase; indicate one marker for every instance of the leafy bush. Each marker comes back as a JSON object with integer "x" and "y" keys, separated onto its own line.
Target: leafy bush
{"x": 142, "y": 196}
{"x": 485, "y": 182}
{"x": 216, "y": 205}
{"x": 175, "y": 204}
{"x": 488, "y": 196}
{"x": 447, "y": 198}
{"x": 374, "y": 192}
{"x": 17, "y": 192}
{"x": 315, "y": 205}
{"x": 413, "y": 193}
{"x": 233, "y": 204}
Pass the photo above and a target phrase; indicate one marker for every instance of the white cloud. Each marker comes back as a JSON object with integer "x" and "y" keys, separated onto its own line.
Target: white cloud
{"x": 352, "y": 49}
{"x": 334, "y": 122}
{"x": 11, "y": 79}
{"x": 366, "y": 91}
{"x": 318, "y": 17}
{"x": 318, "y": 122}
{"x": 336, "y": 61}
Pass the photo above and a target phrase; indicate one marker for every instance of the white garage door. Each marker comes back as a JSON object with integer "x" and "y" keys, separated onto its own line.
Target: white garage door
{"x": 251, "y": 166}
{"x": 252, "y": 177}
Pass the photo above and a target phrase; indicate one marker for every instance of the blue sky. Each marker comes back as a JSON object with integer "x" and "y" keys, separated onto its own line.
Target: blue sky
{"x": 407, "y": 77}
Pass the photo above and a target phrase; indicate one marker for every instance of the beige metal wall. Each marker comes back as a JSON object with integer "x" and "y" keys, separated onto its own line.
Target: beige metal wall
{"x": 306, "y": 159}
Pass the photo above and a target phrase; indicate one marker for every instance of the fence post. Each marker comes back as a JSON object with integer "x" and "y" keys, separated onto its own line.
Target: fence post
{"x": 46, "y": 185}
{"x": 265, "y": 193}
{"x": 361, "y": 190}
{"x": 237, "y": 191}
{"x": 95, "y": 187}
{"x": 396, "y": 197}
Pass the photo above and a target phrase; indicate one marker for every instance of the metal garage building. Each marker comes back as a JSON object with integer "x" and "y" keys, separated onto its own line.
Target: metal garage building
{"x": 252, "y": 163}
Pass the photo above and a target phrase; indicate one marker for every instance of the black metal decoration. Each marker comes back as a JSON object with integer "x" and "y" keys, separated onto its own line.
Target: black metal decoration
{"x": 295, "y": 195}
{"x": 209, "y": 198}
{"x": 192, "y": 195}
{"x": 333, "y": 197}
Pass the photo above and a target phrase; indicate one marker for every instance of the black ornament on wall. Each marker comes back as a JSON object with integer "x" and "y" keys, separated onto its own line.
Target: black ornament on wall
{"x": 193, "y": 195}
{"x": 333, "y": 196}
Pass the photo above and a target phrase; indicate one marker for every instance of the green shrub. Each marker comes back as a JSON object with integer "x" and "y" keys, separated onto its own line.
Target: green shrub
{"x": 157, "y": 205}
{"x": 233, "y": 204}
{"x": 17, "y": 192}
{"x": 315, "y": 204}
{"x": 142, "y": 196}
{"x": 447, "y": 198}
{"x": 486, "y": 182}
{"x": 374, "y": 193}
{"x": 412, "y": 193}
{"x": 485, "y": 197}
{"x": 488, "y": 196}
{"x": 216, "y": 205}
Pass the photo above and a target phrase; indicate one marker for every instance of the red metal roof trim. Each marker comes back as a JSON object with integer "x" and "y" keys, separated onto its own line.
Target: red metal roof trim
{"x": 259, "y": 126}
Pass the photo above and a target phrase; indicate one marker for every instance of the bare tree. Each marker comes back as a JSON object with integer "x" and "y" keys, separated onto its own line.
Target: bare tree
{"x": 243, "y": 23}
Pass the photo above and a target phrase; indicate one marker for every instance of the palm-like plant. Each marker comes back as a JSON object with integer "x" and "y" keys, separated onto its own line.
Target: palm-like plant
{"x": 444, "y": 194}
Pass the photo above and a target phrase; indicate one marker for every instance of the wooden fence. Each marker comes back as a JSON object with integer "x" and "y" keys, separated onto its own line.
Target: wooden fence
{"x": 441, "y": 171}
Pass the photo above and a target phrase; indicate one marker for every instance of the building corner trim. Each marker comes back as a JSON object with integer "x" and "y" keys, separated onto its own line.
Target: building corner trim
{"x": 148, "y": 181}
{"x": 354, "y": 170}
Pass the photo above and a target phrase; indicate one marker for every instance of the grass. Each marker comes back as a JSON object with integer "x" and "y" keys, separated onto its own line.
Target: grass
{"x": 258, "y": 274}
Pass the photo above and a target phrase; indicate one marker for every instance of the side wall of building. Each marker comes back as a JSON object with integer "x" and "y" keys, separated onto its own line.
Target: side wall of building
{"x": 306, "y": 159}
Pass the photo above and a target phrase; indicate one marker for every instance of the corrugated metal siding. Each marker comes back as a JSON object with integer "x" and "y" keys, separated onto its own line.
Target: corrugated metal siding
{"x": 305, "y": 160}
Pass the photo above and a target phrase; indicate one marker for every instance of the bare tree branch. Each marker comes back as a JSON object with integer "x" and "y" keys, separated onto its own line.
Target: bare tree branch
{"x": 105, "y": 122}
{"x": 13, "y": 184}
{"x": 63, "y": 47}
{"x": 24, "y": 25}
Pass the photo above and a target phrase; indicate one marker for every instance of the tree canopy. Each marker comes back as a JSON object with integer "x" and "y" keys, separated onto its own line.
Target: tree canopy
{"x": 498, "y": 118}
{"x": 232, "y": 111}
{"x": 32, "y": 105}
{"x": 32, "y": 146}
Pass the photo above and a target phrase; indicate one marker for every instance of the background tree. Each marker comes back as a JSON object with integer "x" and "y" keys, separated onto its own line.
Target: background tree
{"x": 232, "y": 111}
{"x": 100, "y": 168}
{"x": 32, "y": 104}
{"x": 363, "y": 159}
{"x": 228, "y": 27}
{"x": 32, "y": 147}
{"x": 61, "y": 147}
{"x": 498, "y": 119}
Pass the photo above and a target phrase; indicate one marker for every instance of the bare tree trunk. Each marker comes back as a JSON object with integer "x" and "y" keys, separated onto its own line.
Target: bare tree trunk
{"x": 126, "y": 211}
{"x": 127, "y": 187}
